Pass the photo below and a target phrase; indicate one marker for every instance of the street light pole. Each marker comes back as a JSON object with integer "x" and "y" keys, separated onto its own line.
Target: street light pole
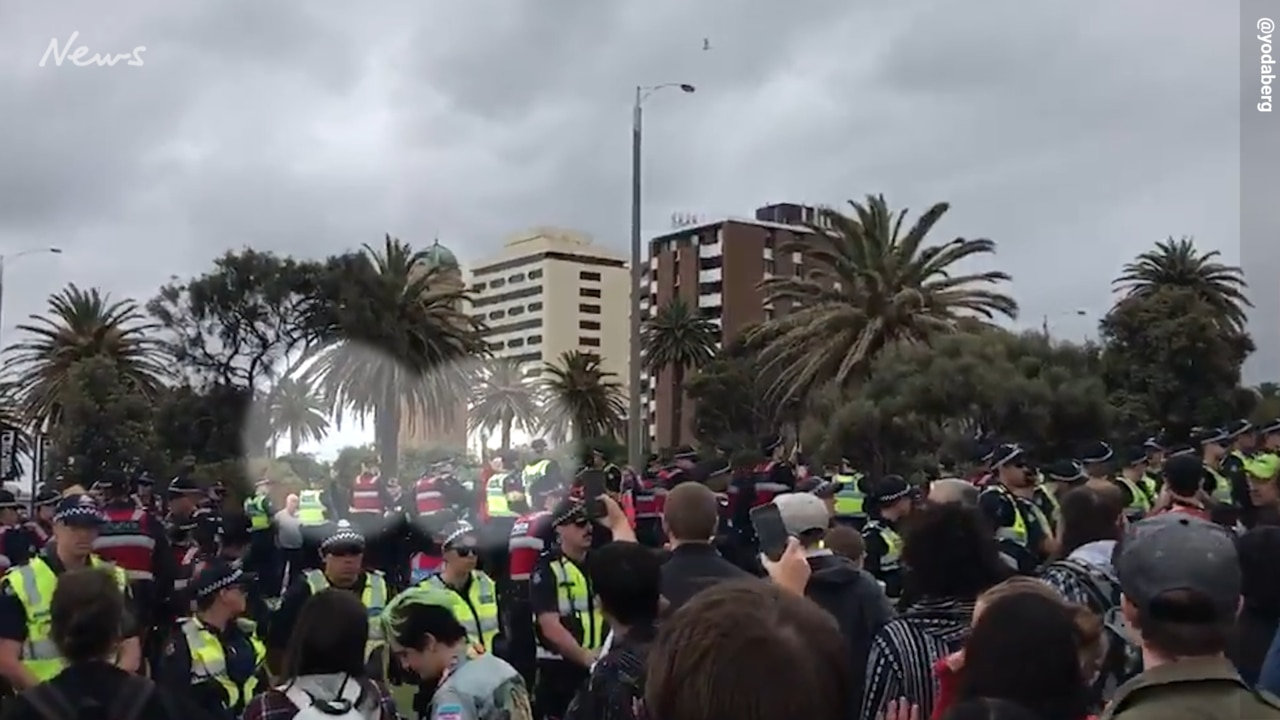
{"x": 637, "y": 420}
{"x": 15, "y": 256}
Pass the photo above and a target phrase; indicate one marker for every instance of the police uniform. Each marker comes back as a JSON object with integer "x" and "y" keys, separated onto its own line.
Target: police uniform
{"x": 1064, "y": 473}
{"x": 26, "y": 592}
{"x": 17, "y": 541}
{"x": 475, "y": 601}
{"x": 217, "y": 668}
{"x": 849, "y": 498}
{"x": 1136, "y": 485}
{"x": 370, "y": 586}
{"x": 880, "y": 536}
{"x": 542, "y": 477}
{"x": 1219, "y": 485}
{"x": 134, "y": 540}
{"x": 264, "y": 556}
{"x": 1019, "y": 524}
{"x": 560, "y": 585}
{"x": 41, "y": 525}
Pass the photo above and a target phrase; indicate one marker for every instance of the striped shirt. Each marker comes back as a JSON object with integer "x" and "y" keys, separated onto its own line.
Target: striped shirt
{"x": 904, "y": 652}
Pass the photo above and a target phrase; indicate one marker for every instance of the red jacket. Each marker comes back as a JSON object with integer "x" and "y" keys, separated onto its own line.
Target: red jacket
{"x": 948, "y": 680}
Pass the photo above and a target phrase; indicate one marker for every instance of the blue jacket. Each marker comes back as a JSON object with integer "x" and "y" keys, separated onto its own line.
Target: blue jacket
{"x": 1269, "y": 677}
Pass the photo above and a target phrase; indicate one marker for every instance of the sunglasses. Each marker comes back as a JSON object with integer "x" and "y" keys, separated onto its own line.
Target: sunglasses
{"x": 346, "y": 552}
{"x": 464, "y": 551}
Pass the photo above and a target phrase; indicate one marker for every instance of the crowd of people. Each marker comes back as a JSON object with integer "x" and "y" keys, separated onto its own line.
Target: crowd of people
{"x": 1136, "y": 585}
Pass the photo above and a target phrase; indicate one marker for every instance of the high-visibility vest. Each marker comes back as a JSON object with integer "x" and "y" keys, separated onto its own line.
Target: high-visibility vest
{"x": 497, "y": 503}
{"x": 1140, "y": 504}
{"x": 374, "y": 598}
{"x": 575, "y": 601}
{"x": 525, "y": 546}
{"x": 892, "y": 558}
{"x": 427, "y": 497}
{"x": 185, "y": 557}
{"x": 258, "y": 512}
{"x": 477, "y": 610}
{"x": 365, "y": 496}
{"x": 849, "y": 499}
{"x": 1055, "y": 509}
{"x": 209, "y": 661}
{"x": 1221, "y": 487}
{"x": 535, "y": 471}
{"x": 1017, "y": 532}
{"x": 33, "y": 584}
{"x": 1263, "y": 466}
{"x": 310, "y": 510}
{"x": 125, "y": 541}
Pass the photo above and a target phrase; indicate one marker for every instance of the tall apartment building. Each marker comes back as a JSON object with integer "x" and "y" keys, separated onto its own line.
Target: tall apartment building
{"x": 717, "y": 267}
{"x": 551, "y": 291}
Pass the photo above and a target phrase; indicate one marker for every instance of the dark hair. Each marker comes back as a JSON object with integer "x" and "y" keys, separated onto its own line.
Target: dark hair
{"x": 1260, "y": 584}
{"x": 844, "y": 540}
{"x": 1178, "y": 638}
{"x": 716, "y": 638}
{"x": 329, "y": 636}
{"x": 627, "y": 577}
{"x": 950, "y": 552}
{"x": 989, "y": 709}
{"x": 415, "y": 621}
{"x": 1183, "y": 475}
{"x": 86, "y": 614}
{"x": 691, "y": 512}
{"x": 1088, "y": 515}
{"x": 1044, "y": 675}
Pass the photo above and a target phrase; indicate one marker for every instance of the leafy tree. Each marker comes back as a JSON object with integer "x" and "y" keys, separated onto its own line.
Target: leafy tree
{"x": 235, "y": 324}
{"x": 296, "y": 412}
{"x": 1178, "y": 264}
{"x": 209, "y": 425}
{"x": 583, "y": 401}
{"x": 871, "y": 286}
{"x": 678, "y": 339}
{"x": 392, "y": 341}
{"x": 415, "y": 461}
{"x": 504, "y": 397}
{"x": 105, "y": 423}
{"x": 727, "y": 405}
{"x": 1169, "y": 360}
{"x": 81, "y": 325}
{"x": 305, "y": 466}
{"x": 351, "y": 460}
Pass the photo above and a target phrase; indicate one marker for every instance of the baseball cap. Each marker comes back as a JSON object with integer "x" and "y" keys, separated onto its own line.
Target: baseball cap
{"x": 802, "y": 512}
{"x": 1179, "y": 553}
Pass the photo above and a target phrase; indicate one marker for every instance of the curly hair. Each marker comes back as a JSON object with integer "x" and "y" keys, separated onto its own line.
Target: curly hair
{"x": 950, "y": 551}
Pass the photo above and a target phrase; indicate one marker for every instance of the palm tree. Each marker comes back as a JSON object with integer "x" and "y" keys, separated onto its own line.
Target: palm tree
{"x": 82, "y": 324}
{"x": 1177, "y": 263}
{"x": 297, "y": 412}
{"x": 582, "y": 400}
{"x": 503, "y": 398}
{"x": 868, "y": 286}
{"x": 394, "y": 343}
{"x": 679, "y": 339}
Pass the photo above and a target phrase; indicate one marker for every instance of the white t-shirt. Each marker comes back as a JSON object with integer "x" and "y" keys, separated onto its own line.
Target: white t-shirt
{"x": 288, "y": 530}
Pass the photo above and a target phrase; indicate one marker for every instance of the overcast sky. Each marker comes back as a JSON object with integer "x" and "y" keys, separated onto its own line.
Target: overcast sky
{"x": 1075, "y": 133}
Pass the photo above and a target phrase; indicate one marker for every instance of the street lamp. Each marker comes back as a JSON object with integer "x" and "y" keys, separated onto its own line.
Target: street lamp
{"x": 1044, "y": 321}
{"x": 6, "y": 259}
{"x": 635, "y": 428}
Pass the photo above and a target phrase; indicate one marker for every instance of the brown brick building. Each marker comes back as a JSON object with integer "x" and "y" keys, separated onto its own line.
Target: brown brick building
{"x": 717, "y": 268}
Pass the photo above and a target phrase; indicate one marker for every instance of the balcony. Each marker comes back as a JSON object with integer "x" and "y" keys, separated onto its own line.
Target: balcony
{"x": 710, "y": 300}
{"x": 715, "y": 249}
{"x": 710, "y": 275}
{"x": 768, "y": 253}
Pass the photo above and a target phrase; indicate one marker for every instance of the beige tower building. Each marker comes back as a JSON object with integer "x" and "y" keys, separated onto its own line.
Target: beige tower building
{"x": 425, "y": 432}
{"x": 551, "y": 291}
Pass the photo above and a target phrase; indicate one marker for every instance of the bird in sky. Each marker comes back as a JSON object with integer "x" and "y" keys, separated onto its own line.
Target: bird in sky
{"x": 706, "y": 43}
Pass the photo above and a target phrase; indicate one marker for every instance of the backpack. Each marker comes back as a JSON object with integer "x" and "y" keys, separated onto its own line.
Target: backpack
{"x": 1123, "y": 659}
{"x": 51, "y": 703}
{"x": 344, "y": 707}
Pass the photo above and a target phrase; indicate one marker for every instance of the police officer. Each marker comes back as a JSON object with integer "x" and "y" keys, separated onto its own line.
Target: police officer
{"x": 145, "y": 494}
{"x": 530, "y": 537}
{"x": 541, "y": 476}
{"x": 264, "y": 557}
{"x": 214, "y": 657}
{"x": 1227, "y": 492}
{"x": 889, "y": 502}
{"x": 475, "y": 596}
{"x": 849, "y": 499}
{"x": 234, "y": 549}
{"x": 1021, "y": 528}
{"x": 568, "y": 624}
{"x": 189, "y": 521}
{"x": 41, "y": 523}
{"x": 17, "y": 542}
{"x": 1055, "y": 479}
{"x": 343, "y": 560}
{"x": 1133, "y": 479}
{"x": 27, "y": 654}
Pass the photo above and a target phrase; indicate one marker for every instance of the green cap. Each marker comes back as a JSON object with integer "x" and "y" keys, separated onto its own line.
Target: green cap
{"x": 1263, "y": 467}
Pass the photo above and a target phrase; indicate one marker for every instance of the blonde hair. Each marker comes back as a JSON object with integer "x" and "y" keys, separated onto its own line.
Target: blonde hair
{"x": 1090, "y": 636}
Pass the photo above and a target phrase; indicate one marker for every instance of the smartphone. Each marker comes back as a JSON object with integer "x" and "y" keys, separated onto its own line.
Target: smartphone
{"x": 771, "y": 532}
{"x": 593, "y": 488}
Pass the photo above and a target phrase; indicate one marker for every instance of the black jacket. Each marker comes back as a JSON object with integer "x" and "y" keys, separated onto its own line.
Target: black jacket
{"x": 693, "y": 568}
{"x": 855, "y": 600}
{"x": 94, "y": 687}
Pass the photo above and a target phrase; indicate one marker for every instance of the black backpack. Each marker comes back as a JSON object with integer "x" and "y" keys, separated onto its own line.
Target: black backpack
{"x": 131, "y": 699}
{"x": 1123, "y": 659}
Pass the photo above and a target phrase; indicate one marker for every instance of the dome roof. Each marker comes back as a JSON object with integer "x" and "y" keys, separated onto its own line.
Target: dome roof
{"x": 439, "y": 256}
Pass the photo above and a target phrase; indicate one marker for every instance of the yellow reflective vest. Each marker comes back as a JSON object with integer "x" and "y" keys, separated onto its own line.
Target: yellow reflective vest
{"x": 849, "y": 499}
{"x": 209, "y": 661}
{"x": 374, "y": 598}
{"x": 534, "y": 472}
{"x": 257, "y": 508}
{"x": 497, "y": 502}
{"x": 33, "y": 584}
{"x": 1140, "y": 504}
{"x": 1017, "y": 532}
{"x": 576, "y": 603}
{"x": 477, "y": 610}
{"x": 1221, "y": 487}
{"x": 310, "y": 510}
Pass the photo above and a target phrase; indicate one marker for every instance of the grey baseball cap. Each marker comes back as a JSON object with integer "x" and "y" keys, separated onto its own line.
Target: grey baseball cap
{"x": 802, "y": 512}
{"x": 1178, "y": 553}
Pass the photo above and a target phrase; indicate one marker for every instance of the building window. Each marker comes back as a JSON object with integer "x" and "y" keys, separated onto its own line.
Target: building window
{"x": 588, "y": 309}
{"x": 518, "y": 277}
{"x": 769, "y": 267}
{"x": 768, "y": 314}
{"x": 589, "y": 342}
{"x": 516, "y": 342}
{"x": 534, "y": 340}
{"x": 496, "y": 345}
{"x": 535, "y": 274}
{"x": 769, "y": 240}
{"x": 589, "y": 292}
{"x": 535, "y": 306}
{"x": 479, "y": 287}
{"x": 710, "y": 262}
{"x": 709, "y": 288}
{"x": 588, "y": 325}
{"x": 797, "y": 271}
{"x": 497, "y": 283}
{"x": 517, "y": 310}
{"x": 589, "y": 276}
{"x": 497, "y": 315}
